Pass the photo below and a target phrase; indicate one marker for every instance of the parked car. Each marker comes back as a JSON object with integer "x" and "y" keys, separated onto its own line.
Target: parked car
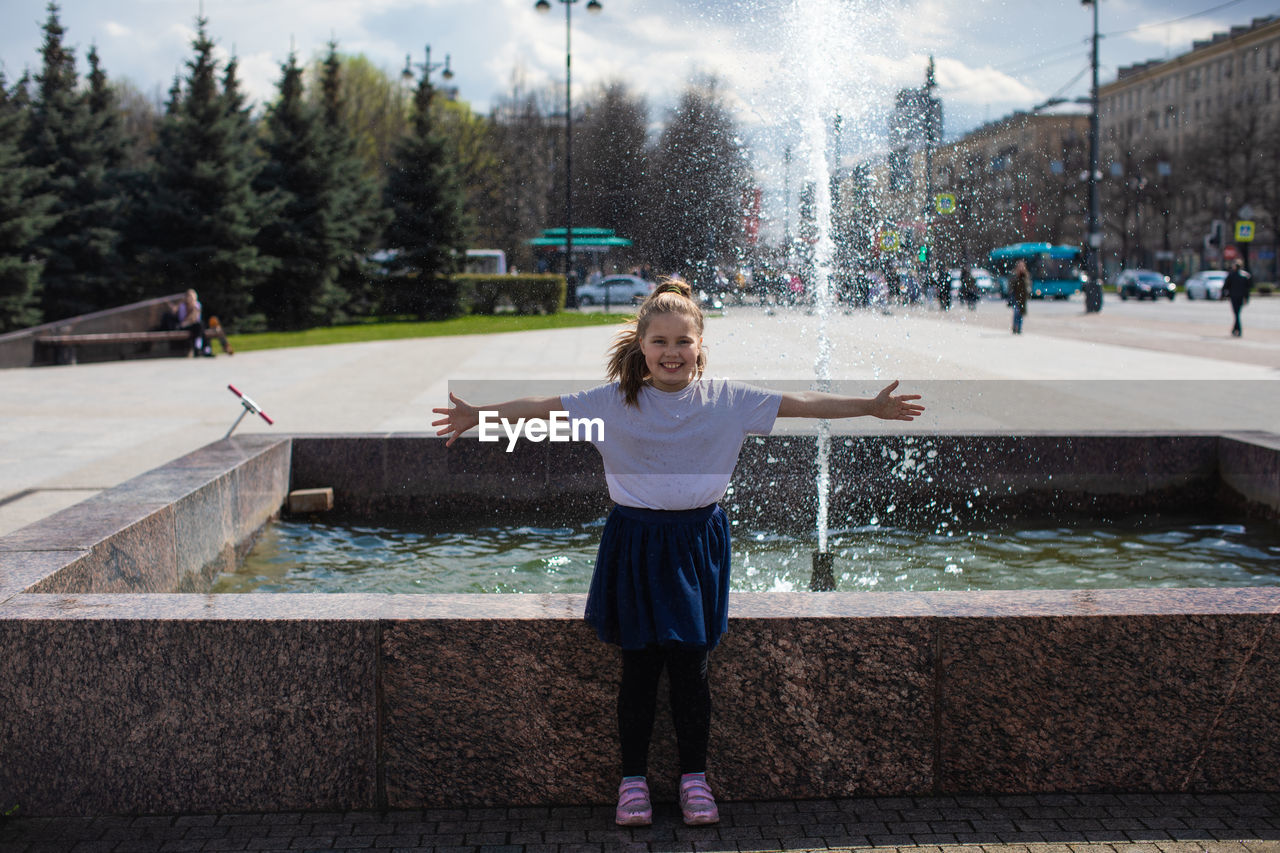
{"x": 984, "y": 280}
{"x": 1144, "y": 284}
{"x": 614, "y": 290}
{"x": 1206, "y": 284}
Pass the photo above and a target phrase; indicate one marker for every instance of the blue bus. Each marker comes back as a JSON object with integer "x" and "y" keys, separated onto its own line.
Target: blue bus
{"x": 1055, "y": 270}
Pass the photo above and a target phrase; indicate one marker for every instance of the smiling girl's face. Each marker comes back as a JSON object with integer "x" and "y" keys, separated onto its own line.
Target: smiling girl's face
{"x": 671, "y": 345}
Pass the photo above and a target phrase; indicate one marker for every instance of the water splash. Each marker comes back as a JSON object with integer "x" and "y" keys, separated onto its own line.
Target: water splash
{"x": 820, "y": 128}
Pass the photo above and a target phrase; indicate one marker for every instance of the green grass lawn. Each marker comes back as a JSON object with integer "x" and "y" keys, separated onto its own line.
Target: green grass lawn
{"x": 395, "y": 330}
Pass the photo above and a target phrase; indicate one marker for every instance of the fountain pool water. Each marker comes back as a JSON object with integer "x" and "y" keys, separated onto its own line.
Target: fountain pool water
{"x": 1207, "y": 549}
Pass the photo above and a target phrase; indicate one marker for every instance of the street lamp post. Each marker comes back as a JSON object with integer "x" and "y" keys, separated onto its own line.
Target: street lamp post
{"x": 427, "y": 67}
{"x": 594, "y": 7}
{"x": 931, "y": 137}
{"x": 1094, "y": 229}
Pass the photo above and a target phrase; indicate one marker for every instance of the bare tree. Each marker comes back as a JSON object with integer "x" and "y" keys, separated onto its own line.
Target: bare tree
{"x": 521, "y": 136}
{"x": 1225, "y": 166}
{"x": 700, "y": 172}
{"x": 610, "y": 160}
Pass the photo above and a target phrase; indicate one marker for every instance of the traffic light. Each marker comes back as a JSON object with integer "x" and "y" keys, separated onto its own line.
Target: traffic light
{"x": 922, "y": 253}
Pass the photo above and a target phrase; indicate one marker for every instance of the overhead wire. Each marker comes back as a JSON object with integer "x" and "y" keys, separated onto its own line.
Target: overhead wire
{"x": 1063, "y": 53}
{"x": 1044, "y": 54}
{"x": 1070, "y": 83}
{"x": 1174, "y": 20}
{"x": 951, "y": 90}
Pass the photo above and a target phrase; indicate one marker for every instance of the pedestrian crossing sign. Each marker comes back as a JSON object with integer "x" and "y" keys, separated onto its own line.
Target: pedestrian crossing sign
{"x": 1244, "y": 231}
{"x": 945, "y": 203}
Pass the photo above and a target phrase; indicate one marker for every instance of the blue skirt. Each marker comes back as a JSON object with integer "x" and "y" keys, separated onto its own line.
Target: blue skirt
{"x": 662, "y": 578}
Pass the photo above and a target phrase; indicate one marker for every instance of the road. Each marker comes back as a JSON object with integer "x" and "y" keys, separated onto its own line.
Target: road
{"x": 1181, "y": 326}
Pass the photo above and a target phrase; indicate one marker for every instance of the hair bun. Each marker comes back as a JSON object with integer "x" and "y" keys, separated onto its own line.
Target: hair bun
{"x": 674, "y": 285}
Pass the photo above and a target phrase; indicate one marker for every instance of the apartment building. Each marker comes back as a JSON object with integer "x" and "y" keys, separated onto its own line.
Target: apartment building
{"x": 1163, "y": 102}
{"x": 1189, "y": 141}
{"x": 1024, "y": 176}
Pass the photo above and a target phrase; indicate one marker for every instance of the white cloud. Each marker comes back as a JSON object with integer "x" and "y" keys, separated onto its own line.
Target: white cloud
{"x": 259, "y": 73}
{"x": 959, "y": 82}
{"x": 775, "y": 56}
{"x": 1174, "y": 36}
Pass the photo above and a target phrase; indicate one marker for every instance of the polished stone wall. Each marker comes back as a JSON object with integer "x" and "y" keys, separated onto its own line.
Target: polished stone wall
{"x": 125, "y": 689}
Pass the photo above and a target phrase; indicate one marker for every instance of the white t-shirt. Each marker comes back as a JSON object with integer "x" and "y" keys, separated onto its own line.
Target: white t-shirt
{"x": 679, "y": 448}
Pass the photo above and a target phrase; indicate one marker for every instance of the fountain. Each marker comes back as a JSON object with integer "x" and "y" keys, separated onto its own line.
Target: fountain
{"x": 817, "y": 30}
{"x": 129, "y": 688}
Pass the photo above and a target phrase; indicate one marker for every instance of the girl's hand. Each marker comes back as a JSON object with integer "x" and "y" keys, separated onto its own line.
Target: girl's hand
{"x": 895, "y": 408}
{"x": 457, "y": 419}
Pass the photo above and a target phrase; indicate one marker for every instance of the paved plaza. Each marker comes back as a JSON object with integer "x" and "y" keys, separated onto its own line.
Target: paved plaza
{"x": 67, "y": 433}
{"x": 1048, "y": 823}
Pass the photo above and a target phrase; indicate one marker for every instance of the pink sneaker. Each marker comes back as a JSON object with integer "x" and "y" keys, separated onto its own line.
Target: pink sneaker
{"x": 634, "y": 808}
{"x": 696, "y": 802}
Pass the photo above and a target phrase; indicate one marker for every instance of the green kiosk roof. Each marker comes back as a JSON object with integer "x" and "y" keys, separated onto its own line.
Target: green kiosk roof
{"x": 584, "y": 239}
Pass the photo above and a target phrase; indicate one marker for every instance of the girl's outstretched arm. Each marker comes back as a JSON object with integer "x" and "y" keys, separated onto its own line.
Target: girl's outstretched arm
{"x": 462, "y": 416}
{"x": 818, "y": 404}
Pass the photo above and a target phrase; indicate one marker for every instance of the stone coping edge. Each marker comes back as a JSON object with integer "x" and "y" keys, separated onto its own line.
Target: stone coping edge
{"x": 358, "y": 607}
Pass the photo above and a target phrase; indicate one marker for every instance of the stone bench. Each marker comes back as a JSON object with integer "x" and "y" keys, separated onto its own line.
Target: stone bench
{"x": 66, "y": 344}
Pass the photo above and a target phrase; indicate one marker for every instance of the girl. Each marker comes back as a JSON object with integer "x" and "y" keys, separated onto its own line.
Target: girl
{"x": 660, "y": 589}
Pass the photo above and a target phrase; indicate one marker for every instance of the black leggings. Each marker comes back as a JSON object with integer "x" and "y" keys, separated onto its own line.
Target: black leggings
{"x": 690, "y": 706}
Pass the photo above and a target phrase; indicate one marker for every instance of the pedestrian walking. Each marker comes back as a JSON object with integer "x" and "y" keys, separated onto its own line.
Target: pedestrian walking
{"x": 944, "y": 289}
{"x": 660, "y": 589}
{"x": 1236, "y": 287}
{"x": 968, "y": 287}
{"x": 892, "y": 285}
{"x": 1019, "y": 293}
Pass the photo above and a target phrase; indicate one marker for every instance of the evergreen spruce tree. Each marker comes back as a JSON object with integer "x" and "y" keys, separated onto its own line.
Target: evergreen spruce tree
{"x": 24, "y": 215}
{"x": 359, "y": 198}
{"x": 427, "y": 228}
{"x": 66, "y": 139}
{"x": 203, "y": 217}
{"x": 305, "y": 235}
{"x": 112, "y": 144}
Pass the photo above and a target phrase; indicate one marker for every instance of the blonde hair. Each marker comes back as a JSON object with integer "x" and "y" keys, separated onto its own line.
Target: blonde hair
{"x": 626, "y": 361}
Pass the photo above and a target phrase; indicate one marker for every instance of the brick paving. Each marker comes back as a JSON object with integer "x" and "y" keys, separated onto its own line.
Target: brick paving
{"x": 1058, "y": 823}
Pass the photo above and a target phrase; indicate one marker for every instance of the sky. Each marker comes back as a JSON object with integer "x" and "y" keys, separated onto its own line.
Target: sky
{"x": 787, "y": 66}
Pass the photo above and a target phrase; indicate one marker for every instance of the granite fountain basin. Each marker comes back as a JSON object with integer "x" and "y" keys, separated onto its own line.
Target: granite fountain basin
{"x": 127, "y": 688}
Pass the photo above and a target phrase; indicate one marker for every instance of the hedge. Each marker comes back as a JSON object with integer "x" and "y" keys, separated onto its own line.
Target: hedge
{"x": 523, "y": 294}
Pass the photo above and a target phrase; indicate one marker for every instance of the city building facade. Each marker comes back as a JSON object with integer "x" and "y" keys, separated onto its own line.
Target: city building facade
{"x": 1018, "y": 179}
{"x": 1190, "y": 146}
{"x": 1190, "y": 149}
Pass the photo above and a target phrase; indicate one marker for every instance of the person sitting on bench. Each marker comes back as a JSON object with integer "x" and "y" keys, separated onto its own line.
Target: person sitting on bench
{"x": 187, "y": 313}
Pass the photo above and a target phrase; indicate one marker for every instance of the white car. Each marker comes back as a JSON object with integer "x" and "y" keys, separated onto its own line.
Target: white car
{"x": 984, "y": 280}
{"x": 615, "y": 290}
{"x": 1206, "y": 284}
